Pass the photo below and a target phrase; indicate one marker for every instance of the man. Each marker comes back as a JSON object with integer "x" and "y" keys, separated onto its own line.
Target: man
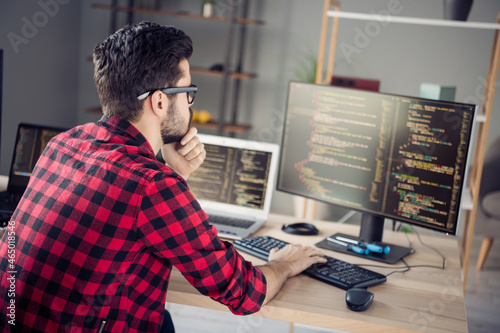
{"x": 102, "y": 221}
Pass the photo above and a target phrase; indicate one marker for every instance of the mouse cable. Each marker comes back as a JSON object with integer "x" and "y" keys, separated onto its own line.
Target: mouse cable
{"x": 406, "y": 268}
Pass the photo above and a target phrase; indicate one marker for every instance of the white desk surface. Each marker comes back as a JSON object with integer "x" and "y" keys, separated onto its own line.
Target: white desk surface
{"x": 423, "y": 299}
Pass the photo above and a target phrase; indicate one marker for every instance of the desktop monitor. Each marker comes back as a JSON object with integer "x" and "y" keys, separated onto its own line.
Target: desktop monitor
{"x": 386, "y": 156}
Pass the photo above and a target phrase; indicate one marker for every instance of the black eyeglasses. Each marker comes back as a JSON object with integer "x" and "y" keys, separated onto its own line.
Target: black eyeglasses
{"x": 190, "y": 91}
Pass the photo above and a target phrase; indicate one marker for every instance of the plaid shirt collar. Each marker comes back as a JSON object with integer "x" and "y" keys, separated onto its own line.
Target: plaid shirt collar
{"x": 127, "y": 130}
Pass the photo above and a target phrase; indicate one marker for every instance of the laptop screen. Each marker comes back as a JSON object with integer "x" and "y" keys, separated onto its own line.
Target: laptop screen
{"x": 233, "y": 176}
{"x": 235, "y": 172}
{"x": 31, "y": 140}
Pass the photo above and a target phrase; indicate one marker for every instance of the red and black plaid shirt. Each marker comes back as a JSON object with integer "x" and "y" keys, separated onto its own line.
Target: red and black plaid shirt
{"x": 98, "y": 231}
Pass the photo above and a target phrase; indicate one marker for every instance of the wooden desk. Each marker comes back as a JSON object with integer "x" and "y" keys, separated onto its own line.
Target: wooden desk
{"x": 423, "y": 299}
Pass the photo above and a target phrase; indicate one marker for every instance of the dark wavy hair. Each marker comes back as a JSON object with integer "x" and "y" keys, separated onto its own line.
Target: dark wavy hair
{"x": 135, "y": 59}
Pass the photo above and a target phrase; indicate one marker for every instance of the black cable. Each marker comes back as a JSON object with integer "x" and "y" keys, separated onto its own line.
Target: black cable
{"x": 433, "y": 249}
{"x": 407, "y": 267}
{"x": 403, "y": 271}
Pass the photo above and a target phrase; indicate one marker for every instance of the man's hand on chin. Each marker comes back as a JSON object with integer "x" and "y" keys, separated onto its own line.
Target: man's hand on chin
{"x": 185, "y": 156}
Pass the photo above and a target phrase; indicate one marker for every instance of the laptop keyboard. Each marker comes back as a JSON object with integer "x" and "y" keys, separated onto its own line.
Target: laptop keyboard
{"x": 335, "y": 272}
{"x": 231, "y": 221}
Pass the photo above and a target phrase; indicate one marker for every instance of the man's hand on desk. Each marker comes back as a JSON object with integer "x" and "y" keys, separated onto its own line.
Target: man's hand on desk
{"x": 292, "y": 260}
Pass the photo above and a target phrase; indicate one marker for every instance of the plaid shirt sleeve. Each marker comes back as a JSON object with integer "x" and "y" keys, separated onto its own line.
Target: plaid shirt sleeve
{"x": 173, "y": 226}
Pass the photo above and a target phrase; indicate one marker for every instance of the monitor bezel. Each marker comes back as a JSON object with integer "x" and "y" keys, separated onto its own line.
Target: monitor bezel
{"x": 464, "y": 174}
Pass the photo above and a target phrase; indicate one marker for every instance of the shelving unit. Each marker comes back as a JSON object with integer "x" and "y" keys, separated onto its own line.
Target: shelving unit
{"x": 240, "y": 20}
{"x": 482, "y": 119}
{"x": 236, "y": 23}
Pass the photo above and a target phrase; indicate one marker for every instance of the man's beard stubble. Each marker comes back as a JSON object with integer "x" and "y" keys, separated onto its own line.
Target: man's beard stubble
{"x": 171, "y": 126}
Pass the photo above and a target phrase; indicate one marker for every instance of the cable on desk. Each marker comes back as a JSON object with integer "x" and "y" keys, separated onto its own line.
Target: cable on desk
{"x": 407, "y": 267}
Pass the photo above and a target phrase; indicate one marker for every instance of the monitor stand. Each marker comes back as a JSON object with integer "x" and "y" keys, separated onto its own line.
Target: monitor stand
{"x": 372, "y": 228}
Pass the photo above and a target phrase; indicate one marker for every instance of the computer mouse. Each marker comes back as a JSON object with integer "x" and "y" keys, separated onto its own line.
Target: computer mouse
{"x": 358, "y": 299}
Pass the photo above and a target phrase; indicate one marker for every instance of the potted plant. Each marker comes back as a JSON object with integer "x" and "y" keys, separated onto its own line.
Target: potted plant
{"x": 208, "y": 8}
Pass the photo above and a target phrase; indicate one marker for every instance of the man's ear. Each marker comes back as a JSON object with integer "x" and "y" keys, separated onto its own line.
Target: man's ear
{"x": 159, "y": 103}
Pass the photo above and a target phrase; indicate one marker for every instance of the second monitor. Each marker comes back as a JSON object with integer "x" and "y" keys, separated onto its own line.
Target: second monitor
{"x": 386, "y": 156}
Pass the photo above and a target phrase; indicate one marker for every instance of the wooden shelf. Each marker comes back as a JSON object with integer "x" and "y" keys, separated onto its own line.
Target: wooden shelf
{"x": 209, "y": 72}
{"x": 228, "y": 127}
{"x": 175, "y": 14}
{"x": 414, "y": 20}
{"x": 234, "y": 75}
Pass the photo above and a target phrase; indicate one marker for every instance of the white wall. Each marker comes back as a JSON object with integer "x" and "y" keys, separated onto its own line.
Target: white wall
{"x": 41, "y": 56}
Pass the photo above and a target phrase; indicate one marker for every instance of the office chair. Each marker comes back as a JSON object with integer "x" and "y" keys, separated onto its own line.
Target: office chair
{"x": 488, "y": 210}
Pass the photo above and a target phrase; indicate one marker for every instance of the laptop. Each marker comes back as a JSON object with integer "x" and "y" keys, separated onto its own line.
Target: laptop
{"x": 235, "y": 183}
{"x": 30, "y": 142}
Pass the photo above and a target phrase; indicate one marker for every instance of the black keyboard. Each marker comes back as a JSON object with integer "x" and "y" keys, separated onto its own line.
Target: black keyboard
{"x": 335, "y": 272}
{"x": 231, "y": 221}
